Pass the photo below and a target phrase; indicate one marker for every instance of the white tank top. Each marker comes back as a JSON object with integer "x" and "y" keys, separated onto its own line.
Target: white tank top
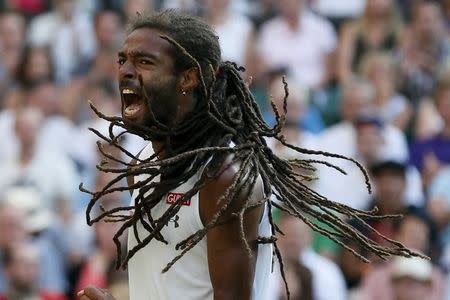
{"x": 189, "y": 277}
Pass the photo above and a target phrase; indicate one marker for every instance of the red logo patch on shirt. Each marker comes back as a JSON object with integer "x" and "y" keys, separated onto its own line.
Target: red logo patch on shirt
{"x": 173, "y": 197}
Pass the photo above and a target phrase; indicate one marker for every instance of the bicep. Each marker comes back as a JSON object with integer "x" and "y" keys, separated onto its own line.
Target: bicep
{"x": 231, "y": 266}
{"x": 231, "y": 263}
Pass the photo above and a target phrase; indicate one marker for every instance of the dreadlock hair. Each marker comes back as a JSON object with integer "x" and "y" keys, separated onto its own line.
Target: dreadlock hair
{"x": 225, "y": 112}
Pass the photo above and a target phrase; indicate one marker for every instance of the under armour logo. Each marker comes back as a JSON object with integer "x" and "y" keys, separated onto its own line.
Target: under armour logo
{"x": 174, "y": 220}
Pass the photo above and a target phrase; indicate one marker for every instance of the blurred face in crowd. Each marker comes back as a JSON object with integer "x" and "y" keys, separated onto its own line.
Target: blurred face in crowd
{"x": 108, "y": 29}
{"x": 296, "y": 102}
{"x": 413, "y": 232}
{"x": 443, "y": 105}
{"x": 406, "y": 288}
{"x": 290, "y": 9}
{"x": 131, "y": 7}
{"x": 45, "y": 97}
{"x": 23, "y": 269}
{"x": 65, "y": 8}
{"x": 297, "y": 237}
{"x": 356, "y": 101}
{"x": 28, "y": 123}
{"x": 12, "y": 227}
{"x": 390, "y": 187}
{"x": 12, "y": 31}
{"x": 39, "y": 65}
{"x": 380, "y": 71}
{"x": 352, "y": 267}
{"x": 217, "y": 6}
{"x": 428, "y": 20}
{"x": 101, "y": 98}
{"x": 369, "y": 140}
{"x": 378, "y": 8}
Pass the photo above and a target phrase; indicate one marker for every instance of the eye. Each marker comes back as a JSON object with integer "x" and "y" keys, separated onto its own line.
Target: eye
{"x": 121, "y": 61}
{"x": 145, "y": 62}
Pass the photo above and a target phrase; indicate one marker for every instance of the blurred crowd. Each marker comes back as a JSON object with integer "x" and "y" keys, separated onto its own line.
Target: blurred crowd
{"x": 368, "y": 79}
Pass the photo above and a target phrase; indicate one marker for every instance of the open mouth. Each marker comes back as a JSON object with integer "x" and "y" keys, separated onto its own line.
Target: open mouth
{"x": 132, "y": 103}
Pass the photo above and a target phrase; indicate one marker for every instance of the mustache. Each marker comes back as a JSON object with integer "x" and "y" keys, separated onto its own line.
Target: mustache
{"x": 126, "y": 83}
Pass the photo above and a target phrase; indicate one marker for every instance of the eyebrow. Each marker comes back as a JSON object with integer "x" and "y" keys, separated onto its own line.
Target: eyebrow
{"x": 137, "y": 54}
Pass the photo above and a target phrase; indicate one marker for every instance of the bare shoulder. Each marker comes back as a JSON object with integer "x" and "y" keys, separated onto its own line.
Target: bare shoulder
{"x": 211, "y": 195}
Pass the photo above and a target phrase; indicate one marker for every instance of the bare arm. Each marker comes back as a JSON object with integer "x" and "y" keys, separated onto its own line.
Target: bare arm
{"x": 94, "y": 293}
{"x": 231, "y": 269}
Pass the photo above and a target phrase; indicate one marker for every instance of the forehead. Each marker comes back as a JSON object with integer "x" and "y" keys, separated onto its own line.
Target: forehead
{"x": 148, "y": 40}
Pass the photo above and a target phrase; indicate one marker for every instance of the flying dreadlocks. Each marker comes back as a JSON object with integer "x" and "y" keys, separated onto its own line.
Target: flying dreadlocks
{"x": 224, "y": 122}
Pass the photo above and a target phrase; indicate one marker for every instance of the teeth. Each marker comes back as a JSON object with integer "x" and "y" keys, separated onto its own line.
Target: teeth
{"x": 127, "y": 92}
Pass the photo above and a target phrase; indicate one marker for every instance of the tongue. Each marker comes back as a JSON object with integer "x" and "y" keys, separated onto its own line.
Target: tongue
{"x": 131, "y": 109}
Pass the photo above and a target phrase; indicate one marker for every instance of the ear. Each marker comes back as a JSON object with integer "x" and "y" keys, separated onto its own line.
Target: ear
{"x": 189, "y": 79}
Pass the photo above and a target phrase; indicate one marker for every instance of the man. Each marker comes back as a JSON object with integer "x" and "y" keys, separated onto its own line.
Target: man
{"x": 432, "y": 154}
{"x": 200, "y": 225}
{"x": 22, "y": 269}
{"x": 302, "y": 42}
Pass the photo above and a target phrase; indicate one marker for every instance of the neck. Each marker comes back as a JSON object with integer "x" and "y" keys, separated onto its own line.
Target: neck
{"x": 16, "y": 293}
{"x": 293, "y": 21}
{"x": 26, "y": 154}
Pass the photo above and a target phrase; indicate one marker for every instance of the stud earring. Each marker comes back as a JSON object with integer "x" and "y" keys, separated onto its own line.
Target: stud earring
{"x": 183, "y": 92}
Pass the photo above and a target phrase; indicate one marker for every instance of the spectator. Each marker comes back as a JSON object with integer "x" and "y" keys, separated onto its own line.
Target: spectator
{"x": 378, "y": 29}
{"x": 390, "y": 183}
{"x": 370, "y": 143}
{"x": 22, "y": 269}
{"x": 58, "y": 186}
{"x": 431, "y": 154}
{"x": 411, "y": 279}
{"x": 446, "y": 11}
{"x": 108, "y": 26}
{"x": 298, "y": 276}
{"x": 98, "y": 264}
{"x": 325, "y": 273}
{"x": 439, "y": 204}
{"x": 301, "y": 42}
{"x": 353, "y": 268}
{"x": 108, "y": 29}
{"x": 296, "y": 119}
{"x": 357, "y": 99}
{"x": 339, "y": 12}
{"x": 235, "y": 31}
{"x": 132, "y": 7}
{"x": 393, "y": 108}
{"x": 342, "y": 138}
{"x": 423, "y": 49}
{"x": 35, "y": 66}
{"x": 69, "y": 35}
{"x": 45, "y": 233}
{"x": 12, "y": 232}
{"x": 379, "y": 283}
{"x": 12, "y": 37}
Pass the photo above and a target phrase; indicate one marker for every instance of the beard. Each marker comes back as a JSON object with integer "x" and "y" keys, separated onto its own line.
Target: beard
{"x": 162, "y": 102}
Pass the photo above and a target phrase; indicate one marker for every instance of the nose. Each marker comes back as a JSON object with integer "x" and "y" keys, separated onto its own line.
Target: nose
{"x": 127, "y": 71}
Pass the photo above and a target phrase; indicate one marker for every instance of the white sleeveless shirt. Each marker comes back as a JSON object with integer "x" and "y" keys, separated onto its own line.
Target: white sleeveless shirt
{"x": 189, "y": 277}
